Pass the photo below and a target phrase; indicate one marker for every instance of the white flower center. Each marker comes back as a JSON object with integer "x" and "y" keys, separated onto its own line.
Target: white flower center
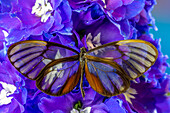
{"x": 129, "y": 94}
{"x": 43, "y": 9}
{"x": 85, "y": 110}
{"x": 4, "y": 43}
{"x": 5, "y": 33}
{"x": 94, "y": 42}
{"x": 104, "y": 1}
{"x": 155, "y": 111}
{"x": 5, "y": 93}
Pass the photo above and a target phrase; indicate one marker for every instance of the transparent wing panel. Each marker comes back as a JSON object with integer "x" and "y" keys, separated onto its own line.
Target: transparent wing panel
{"x": 105, "y": 79}
{"x": 59, "y": 78}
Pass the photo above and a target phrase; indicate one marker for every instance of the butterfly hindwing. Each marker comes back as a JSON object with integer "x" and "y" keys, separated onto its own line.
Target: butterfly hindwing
{"x": 60, "y": 76}
{"x": 30, "y": 57}
{"x": 105, "y": 77}
{"x": 134, "y": 56}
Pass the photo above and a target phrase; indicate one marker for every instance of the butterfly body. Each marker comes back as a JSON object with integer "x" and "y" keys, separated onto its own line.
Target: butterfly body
{"x": 57, "y": 69}
{"x": 82, "y": 60}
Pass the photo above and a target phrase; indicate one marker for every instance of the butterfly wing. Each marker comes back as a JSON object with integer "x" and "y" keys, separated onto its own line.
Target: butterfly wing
{"x": 126, "y": 60}
{"x": 30, "y": 57}
{"x": 33, "y": 58}
{"x": 107, "y": 78}
{"x": 59, "y": 77}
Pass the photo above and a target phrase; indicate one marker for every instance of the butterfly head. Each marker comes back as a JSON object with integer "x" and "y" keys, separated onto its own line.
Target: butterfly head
{"x": 83, "y": 50}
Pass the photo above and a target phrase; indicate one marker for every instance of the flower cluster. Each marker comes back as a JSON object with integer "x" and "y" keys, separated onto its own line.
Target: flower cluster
{"x": 88, "y": 23}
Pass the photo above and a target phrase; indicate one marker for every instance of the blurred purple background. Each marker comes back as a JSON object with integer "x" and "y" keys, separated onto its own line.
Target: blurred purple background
{"x": 161, "y": 13}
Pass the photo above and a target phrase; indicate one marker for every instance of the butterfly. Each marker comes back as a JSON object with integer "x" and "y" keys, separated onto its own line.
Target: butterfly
{"x": 57, "y": 69}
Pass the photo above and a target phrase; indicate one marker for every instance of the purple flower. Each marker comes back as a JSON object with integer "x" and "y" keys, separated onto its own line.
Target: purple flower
{"x": 44, "y": 16}
{"x": 12, "y": 92}
{"x": 66, "y": 103}
{"x": 33, "y": 99}
{"x": 122, "y": 9}
{"x": 3, "y": 50}
{"x": 91, "y": 103}
{"x": 35, "y": 18}
{"x": 5, "y": 6}
{"x": 118, "y": 10}
{"x": 151, "y": 99}
{"x": 86, "y": 23}
{"x": 157, "y": 71}
{"x": 78, "y": 23}
{"x": 115, "y": 105}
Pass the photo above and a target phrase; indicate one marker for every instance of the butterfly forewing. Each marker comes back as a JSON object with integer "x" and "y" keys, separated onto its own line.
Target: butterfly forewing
{"x": 30, "y": 57}
{"x": 134, "y": 56}
{"x": 105, "y": 77}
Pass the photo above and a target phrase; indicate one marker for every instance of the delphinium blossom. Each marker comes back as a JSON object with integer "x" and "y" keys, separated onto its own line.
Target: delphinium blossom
{"x": 76, "y": 24}
{"x": 13, "y": 93}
